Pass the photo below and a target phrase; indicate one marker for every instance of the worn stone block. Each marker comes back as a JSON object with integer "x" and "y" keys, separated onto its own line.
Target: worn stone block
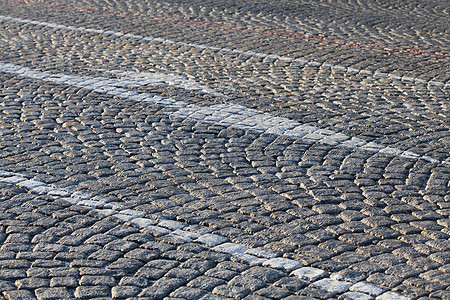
{"x": 309, "y": 274}
{"x": 332, "y": 286}
{"x": 230, "y": 248}
{"x": 281, "y": 263}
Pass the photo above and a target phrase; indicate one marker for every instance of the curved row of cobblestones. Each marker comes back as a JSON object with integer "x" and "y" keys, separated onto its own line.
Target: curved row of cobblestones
{"x": 357, "y": 212}
{"x": 180, "y": 234}
{"x": 226, "y": 115}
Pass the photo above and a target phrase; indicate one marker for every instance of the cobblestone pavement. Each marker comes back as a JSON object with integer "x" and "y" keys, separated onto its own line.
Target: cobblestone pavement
{"x": 224, "y": 149}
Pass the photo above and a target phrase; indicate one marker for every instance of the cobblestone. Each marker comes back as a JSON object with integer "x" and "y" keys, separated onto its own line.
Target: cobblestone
{"x": 308, "y": 274}
{"x": 214, "y": 150}
{"x": 332, "y": 286}
{"x": 282, "y": 263}
{"x": 390, "y": 295}
{"x": 355, "y": 295}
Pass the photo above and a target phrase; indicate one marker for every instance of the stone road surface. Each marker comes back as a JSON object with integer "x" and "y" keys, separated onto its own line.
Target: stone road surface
{"x": 213, "y": 149}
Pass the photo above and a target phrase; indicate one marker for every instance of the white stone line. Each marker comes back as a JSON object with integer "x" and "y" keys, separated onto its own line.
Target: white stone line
{"x": 136, "y": 79}
{"x": 241, "y": 52}
{"x": 333, "y": 283}
{"x": 227, "y": 115}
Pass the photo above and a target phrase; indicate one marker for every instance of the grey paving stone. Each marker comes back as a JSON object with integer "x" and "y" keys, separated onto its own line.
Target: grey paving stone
{"x": 106, "y": 255}
{"x": 440, "y": 294}
{"x": 298, "y": 297}
{"x": 230, "y": 248}
{"x": 246, "y": 282}
{"x": 214, "y": 297}
{"x": 391, "y": 295}
{"x": 366, "y": 288}
{"x": 354, "y": 295}
{"x": 282, "y": 264}
{"x": 382, "y": 280}
{"x": 134, "y": 281}
{"x": 53, "y": 293}
{"x": 273, "y": 292}
{"x": 124, "y": 291}
{"x": 188, "y": 293}
{"x": 332, "y": 286}
{"x": 255, "y": 297}
{"x": 308, "y": 274}
{"x": 66, "y": 281}
{"x": 19, "y": 294}
{"x": 97, "y": 280}
{"x": 125, "y": 264}
{"x": 212, "y": 239}
{"x": 348, "y": 275}
{"x": 290, "y": 283}
{"x": 205, "y": 283}
{"x": 150, "y": 273}
{"x": 264, "y": 274}
{"x": 142, "y": 254}
{"x": 314, "y": 293}
{"x": 411, "y": 291}
{"x": 162, "y": 287}
{"x": 231, "y": 291}
{"x": 32, "y": 283}
{"x": 89, "y": 292}
{"x": 220, "y": 273}
{"x": 183, "y": 273}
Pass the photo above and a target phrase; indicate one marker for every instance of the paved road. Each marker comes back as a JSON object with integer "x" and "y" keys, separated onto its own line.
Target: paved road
{"x": 224, "y": 149}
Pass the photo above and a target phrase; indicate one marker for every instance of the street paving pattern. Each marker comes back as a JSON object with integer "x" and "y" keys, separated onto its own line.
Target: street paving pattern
{"x": 224, "y": 149}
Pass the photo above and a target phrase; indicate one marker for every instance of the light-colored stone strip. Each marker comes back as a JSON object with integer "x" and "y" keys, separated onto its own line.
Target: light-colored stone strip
{"x": 332, "y": 283}
{"x": 241, "y": 52}
{"x": 135, "y": 79}
{"x": 227, "y": 115}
